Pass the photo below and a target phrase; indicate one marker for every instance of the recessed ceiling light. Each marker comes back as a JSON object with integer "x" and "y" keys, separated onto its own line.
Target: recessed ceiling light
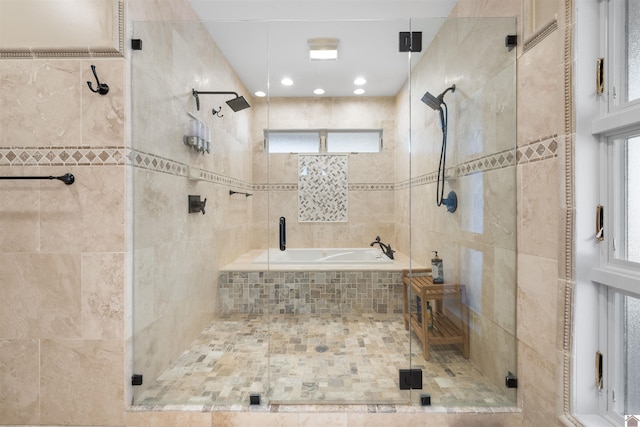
{"x": 318, "y": 91}
{"x": 260, "y": 94}
{"x": 359, "y": 91}
{"x": 286, "y": 81}
{"x": 323, "y": 49}
{"x": 360, "y": 81}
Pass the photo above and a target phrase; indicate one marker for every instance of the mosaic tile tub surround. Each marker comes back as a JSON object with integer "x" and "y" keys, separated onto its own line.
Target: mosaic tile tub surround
{"x": 303, "y": 292}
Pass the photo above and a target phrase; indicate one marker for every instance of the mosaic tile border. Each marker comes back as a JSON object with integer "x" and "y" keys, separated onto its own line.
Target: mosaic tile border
{"x": 63, "y": 156}
{"x": 119, "y": 156}
{"x": 544, "y": 149}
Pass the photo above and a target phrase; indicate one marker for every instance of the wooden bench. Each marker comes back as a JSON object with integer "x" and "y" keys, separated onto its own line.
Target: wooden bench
{"x": 447, "y": 328}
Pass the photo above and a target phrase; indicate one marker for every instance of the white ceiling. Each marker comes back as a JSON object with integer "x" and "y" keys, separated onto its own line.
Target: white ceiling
{"x": 266, "y": 40}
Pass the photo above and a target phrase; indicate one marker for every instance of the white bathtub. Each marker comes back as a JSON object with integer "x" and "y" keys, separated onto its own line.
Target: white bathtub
{"x": 315, "y": 256}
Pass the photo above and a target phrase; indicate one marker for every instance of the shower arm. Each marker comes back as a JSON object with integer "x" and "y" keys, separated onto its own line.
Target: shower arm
{"x": 196, "y": 93}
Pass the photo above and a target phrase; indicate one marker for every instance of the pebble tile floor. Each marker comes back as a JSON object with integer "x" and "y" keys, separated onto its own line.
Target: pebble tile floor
{"x": 315, "y": 359}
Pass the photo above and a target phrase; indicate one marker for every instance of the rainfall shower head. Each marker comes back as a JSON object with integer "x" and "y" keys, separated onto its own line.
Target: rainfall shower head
{"x": 435, "y": 102}
{"x": 238, "y": 103}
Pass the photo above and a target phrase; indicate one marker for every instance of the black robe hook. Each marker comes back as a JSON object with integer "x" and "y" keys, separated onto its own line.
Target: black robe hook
{"x": 103, "y": 88}
{"x": 217, "y": 112}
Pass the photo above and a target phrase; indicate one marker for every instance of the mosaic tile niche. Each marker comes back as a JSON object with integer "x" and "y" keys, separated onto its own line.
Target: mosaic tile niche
{"x": 334, "y": 292}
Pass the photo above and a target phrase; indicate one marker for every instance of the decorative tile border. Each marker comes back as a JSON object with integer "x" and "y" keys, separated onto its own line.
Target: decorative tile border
{"x": 538, "y": 150}
{"x": 539, "y": 36}
{"x": 118, "y": 156}
{"x": 62, "y": 156}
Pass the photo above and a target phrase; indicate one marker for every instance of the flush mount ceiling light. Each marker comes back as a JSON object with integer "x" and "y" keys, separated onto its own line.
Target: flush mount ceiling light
{"x": 286, "y": 81}
{"x": 359, "y": 81}
{"x": 359, "y": 91}
{"x": 318, "y": 91}
{"x": 260, "y": 94}
{"x": 323, "y": 49}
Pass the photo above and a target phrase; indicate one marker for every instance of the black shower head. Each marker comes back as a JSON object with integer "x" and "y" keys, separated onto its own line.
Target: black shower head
{"x": 238, "y": 103}
{"x": 435, "y": 102}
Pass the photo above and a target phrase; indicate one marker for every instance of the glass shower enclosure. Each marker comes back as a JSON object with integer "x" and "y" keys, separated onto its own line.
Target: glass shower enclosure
{"x": 262, "y": 237}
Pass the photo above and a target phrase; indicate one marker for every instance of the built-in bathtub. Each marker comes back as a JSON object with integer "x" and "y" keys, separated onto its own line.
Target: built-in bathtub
{"x": 310, "y": 281}
{"x": 313, "y": 256}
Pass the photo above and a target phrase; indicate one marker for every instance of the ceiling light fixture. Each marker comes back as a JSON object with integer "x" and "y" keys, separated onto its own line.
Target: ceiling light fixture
{"x": 318, "y": 91}
{"x": 359, "y": 91}
{"x": 323, "y": 49}
{"x": 260, "y": 94}
{"x": 359, "y": 81}
{"x": 286, "y": 81}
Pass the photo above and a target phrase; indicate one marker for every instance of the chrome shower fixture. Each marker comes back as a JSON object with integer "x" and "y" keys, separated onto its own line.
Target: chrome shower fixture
{"x": 238, "y": 103}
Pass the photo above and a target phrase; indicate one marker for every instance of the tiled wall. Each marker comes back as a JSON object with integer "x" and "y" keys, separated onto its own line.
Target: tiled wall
{"x": 63, "y": 246}
{"x": 62, "y": 266}
{"x": 176, "y": 254}
{"x": 478, "y": 242}
{"x": 370, "y": 175}
{"x": 333, "y": 292}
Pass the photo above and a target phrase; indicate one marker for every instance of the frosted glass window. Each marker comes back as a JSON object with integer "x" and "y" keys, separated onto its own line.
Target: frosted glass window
{"x": 627, "y": 199}
{"x": 633, "y": 49}
{"x": 354, "y": 141}
{"x": 632, "y": 351}
{"x": 293, "y": 142}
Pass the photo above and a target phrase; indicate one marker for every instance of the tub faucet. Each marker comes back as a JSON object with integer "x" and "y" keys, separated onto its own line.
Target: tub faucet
{"x": 385, "y": 248}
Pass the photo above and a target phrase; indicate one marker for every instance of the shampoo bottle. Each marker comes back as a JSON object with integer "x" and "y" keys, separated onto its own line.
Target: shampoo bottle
{"x": 437, "y": 271}
{"x": 429, "y": 316}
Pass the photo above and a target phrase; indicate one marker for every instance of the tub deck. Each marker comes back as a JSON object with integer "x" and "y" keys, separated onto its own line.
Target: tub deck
{"x": 245, "y": 263}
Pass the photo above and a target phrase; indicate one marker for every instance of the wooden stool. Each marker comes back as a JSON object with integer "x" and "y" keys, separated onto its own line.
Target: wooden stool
{"x": 447, "y": 328}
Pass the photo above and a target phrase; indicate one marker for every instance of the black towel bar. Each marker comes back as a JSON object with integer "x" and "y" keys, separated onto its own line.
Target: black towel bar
{"x": 231, "y": 193}
{"x": 66, "y": 178}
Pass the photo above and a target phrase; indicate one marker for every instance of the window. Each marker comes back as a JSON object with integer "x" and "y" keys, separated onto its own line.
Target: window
{"x": 354, "y": 141}
{"x": 625, "y": 177}
{"x": 293, "y": 141}
{"x": 618, "y": 272}
{"x": 323, "y": 141}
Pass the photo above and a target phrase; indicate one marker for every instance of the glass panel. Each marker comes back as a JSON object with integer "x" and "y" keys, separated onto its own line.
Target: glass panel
{"x": 632, "y": 356}
{"x": 189, "y": 344}
{"x": 213, "y": 327}
{"x": 633, "y": 199}
{"x": 293, "y": 142}
{"x": 626, "y": 177}
{"x": 337, "y": 330}
{"x": 471, "y": 129}
{"x": 633, "y": 49}
{"x": 354, "y": 141}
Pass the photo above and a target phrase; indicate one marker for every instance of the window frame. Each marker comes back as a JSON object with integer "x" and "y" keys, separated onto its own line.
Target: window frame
{"x": 616, "y": 278}
{"x": 322, "y": 140}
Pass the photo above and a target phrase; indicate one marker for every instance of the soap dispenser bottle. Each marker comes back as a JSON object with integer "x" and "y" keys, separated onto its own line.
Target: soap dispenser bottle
{"x": 437, "y": 271}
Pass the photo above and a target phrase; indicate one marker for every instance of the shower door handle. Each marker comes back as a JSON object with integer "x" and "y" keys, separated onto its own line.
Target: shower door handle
{"x": 283, "y": 233}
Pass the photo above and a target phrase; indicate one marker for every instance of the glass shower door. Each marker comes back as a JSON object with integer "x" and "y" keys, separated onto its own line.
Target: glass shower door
{"x": 332, "y": 146}
{"x": 462, "y": 113}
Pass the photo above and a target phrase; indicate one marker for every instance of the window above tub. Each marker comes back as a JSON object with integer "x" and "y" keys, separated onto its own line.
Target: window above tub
{"x": 323, "y": 141}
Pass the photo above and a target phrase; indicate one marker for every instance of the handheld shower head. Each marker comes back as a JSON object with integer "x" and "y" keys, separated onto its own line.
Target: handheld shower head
{"x": 435, "y": 102}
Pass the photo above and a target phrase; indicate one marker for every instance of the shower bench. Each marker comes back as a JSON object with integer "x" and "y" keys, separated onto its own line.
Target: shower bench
{"x": 447, "y": 328}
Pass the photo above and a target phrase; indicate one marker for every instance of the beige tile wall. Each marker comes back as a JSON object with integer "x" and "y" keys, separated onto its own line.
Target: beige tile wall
{"x": 58, "y": 337}
{"x": 177, "y": 254}
{"x": 63, "y": 247}
{"x": 370, "y": 211}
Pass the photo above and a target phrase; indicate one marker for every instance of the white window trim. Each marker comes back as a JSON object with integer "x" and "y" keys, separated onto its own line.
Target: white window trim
{"x": 594, "y": 122}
